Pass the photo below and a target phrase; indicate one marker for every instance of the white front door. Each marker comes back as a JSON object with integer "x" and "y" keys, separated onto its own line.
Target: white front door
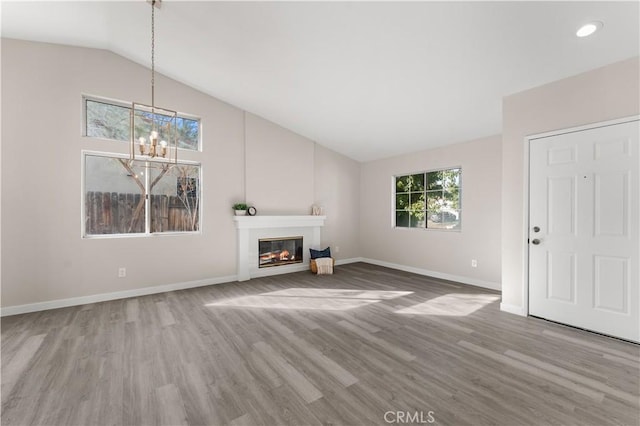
{"x": 583, "y": 236}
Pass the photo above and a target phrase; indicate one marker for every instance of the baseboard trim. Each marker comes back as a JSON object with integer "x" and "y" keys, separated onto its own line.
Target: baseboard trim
{"x": 435, "y": 274}
{"x": 513, "y": 309}
{"x": 348, "y": 261}
{"x": 103, "y": 297}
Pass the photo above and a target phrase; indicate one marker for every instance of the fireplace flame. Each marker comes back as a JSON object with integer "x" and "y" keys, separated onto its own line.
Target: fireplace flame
{"x": 284, "y": 254}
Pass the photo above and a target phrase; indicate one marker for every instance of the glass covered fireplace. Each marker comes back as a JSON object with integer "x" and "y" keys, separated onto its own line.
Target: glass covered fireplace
{"x": 279, "y": 251}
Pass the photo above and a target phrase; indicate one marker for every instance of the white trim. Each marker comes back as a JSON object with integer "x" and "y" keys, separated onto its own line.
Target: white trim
{"x": 103, "y": 297}
{"x": 525, "y": 240}
{"x": 436, "y": 274}
{"x": 524, "y": 309}
{"x": 513, "y": 309}
{"x": 256, "y": 222}
{"x": 584, "y": 127}
{"x": 348, "y": 261}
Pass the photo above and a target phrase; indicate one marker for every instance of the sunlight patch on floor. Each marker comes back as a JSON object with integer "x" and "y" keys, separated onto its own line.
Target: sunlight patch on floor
{"x": 339, "y": 293}
{"x": 326, "y": 299}
{"x": 455, "y": 304}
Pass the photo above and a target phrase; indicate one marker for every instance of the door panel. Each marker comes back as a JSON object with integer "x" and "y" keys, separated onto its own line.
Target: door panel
{"x": 561, "y": 198}
{"x": 612, "y": 284}
{"x": 584, "y": 260}
{"x": 561, "y": 276}
{"x": 612, "y": 204}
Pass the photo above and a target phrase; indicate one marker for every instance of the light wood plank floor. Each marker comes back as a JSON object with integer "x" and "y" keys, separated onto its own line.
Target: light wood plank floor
{"x": 300, "y": 349}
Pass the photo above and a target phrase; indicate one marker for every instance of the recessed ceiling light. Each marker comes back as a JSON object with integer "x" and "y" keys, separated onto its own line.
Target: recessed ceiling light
{"x": 588, "y": 29}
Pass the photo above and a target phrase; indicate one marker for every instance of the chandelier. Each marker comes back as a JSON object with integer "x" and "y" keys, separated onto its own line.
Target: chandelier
{"x": 153, "y": 129}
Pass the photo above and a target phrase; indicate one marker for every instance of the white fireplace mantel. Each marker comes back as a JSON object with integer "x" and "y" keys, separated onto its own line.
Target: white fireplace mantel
{"x": 250, "y": 222}
{"x": 252, "y": 228}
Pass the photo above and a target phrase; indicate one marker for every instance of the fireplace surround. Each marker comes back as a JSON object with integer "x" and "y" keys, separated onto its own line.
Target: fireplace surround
{"x": 251, "y": 229}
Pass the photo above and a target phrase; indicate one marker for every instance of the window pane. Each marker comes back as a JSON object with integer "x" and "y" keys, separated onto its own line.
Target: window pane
{"x": 434, "y": 219}
{"x": 175, "y": 198}
{"x": 451, "y": 178}
{"x": 435, "y": 200}
{"x": 434, "y": 180}
{"x": 187, "y": 132}
{"x": 402, "y": 201}
{"x": 403, "y": 183}
{"x": 402, "y": 219}
{"x": 443, "y": 219}
{"x": 417, "y": 219}
{"x": 114, "y": 196}
{"x": 417, "y": 201}
{"x": 417, "y": 182}
{"x": 450, "y": 219}
{"x": 107, "y": 121}
{"x": 452, "y": 198}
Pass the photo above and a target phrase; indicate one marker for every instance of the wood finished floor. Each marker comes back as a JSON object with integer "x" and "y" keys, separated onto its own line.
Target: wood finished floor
{"x": 300, "y": 349}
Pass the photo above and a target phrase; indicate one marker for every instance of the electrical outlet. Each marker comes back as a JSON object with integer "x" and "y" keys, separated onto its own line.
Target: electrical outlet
{"x": 122, "y": 272}
{"x": 474, "y": 263}
{"x": 337, "y": 249}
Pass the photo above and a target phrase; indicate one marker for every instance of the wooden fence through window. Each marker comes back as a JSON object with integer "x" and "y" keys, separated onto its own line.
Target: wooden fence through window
{"x": 113, "y": 213}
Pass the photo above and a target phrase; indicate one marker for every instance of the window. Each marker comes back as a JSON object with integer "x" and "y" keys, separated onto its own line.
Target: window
{"x": 116, "y": 202}
{"x": 428, "y": 200}
{"x": 112, "y": 120}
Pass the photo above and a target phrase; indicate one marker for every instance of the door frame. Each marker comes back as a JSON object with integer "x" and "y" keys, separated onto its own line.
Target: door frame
{"x": 526, "y": 191}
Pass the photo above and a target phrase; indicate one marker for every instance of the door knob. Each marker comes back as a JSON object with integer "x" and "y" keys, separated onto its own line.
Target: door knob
{"x": 536, "y": 229}
{"x": 536, "y": 241}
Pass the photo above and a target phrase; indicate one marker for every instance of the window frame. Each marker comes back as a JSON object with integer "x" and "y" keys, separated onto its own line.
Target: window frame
{"x": 147, "y": 233}
{"x": 425, "y": 191}
{"x": 124, "y": 104}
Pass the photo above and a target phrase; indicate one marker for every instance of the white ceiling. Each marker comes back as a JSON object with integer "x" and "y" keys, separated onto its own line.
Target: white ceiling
{"x": 367, "y": 79}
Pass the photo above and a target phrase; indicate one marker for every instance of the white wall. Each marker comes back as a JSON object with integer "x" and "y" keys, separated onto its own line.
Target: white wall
{"x": 441, "y": 252}
{"x": 279, "y": 168}
{"x": 44, "y": 257}
{"x": 602, "y": 94}
{"x": 337, "y": 188}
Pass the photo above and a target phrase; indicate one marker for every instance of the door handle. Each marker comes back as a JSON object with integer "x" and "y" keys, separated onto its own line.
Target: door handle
{"x": 535, "y": 241}
{"x": 536, "y": 229}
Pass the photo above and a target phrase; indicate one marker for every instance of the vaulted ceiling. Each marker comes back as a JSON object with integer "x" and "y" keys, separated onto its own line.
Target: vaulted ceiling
{"x": 367, "y": 79}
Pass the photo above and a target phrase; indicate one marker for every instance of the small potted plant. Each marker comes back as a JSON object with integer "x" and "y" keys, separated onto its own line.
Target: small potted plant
{"x": 240, "y": 209}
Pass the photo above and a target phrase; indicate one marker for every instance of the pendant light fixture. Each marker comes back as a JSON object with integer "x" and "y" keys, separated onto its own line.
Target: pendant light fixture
{"x": 153, "y": 129}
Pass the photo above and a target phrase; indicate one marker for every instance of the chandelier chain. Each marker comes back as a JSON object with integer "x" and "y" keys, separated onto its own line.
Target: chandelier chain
{"x": 153, "y": 45}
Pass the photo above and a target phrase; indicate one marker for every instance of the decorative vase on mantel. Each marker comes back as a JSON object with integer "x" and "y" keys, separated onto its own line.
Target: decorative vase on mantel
{"x": 240, "y": 212}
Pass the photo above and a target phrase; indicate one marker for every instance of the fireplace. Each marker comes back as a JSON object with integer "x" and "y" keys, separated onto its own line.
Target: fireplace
{"x": 279, "y": 251}
{"x": 252, "y": 229}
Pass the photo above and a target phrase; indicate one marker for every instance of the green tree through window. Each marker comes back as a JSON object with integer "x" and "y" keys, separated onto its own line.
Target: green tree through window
{"x": 428, "y": 200}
